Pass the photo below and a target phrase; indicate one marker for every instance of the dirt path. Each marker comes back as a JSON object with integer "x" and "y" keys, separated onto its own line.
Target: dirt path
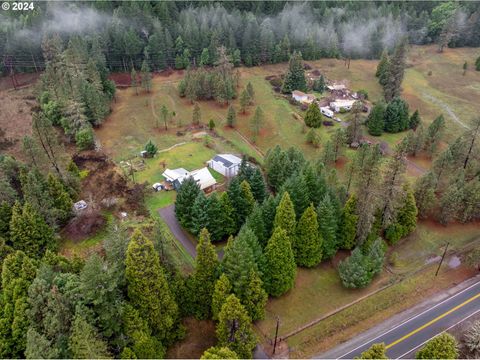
{"x": 172, "y": 147}
{"x": 447, "y": 108}
{"x": 259, "y": 152}
{"x": 168, "y": 214}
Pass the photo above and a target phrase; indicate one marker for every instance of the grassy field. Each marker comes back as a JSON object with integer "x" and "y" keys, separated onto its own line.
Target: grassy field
{"x": 133, "y": 122}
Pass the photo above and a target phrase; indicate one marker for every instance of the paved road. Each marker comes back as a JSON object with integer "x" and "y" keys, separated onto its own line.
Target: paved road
{"x": 168, "y": 214}
{"x": 405, "y": 338}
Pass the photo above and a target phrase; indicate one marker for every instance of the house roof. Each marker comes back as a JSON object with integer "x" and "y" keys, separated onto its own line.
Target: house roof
{"x": 336, "y": 87}
{"x": 342, "y": 102}
{"x": 302, "y": 94}
{"x": 227, "y": 159}
{"x": 203, "y": 177}
{"x": 175, "y": 174}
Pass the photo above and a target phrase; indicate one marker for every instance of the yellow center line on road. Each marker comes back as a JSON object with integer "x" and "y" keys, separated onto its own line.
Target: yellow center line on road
{"x": 433, "y": 321}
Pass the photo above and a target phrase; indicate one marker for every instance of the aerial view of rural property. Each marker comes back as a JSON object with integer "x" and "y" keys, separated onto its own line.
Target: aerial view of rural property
{"x": 239, "y": 179}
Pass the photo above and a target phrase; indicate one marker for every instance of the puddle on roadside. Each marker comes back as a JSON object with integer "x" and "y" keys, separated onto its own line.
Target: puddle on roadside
{"x": 454, "y": 262}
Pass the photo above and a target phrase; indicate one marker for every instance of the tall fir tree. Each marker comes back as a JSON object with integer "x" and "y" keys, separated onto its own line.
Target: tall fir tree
{"x": 204, "y": 276}
{"x": 256, "y": 223}
{"x": 257, "y": 185}
{"x": 238, "y": 261}
{"x": 186, "y": 196}
{"x": 85, "y": 342}
{"x": 234, "y": 329}
{"x": 29, "y": 232}
{"x": 280, "y": 264}
{"x": 228, "y": 217}
{"x": 327, "y": 222}
{"x": 414, "y": 120}
{"x": 375, "y": 120}
{"x": 285, "y": 217}
{"x": 295, "y": 76}
{"x": 348, "y": 224}
{"x": 313, "y": 117}
{"x": 147, "y": 286}
{"x": 255, "y": 297}
{"x": 222, "y": 290}
{"x": 231, "y": 117}
{"x": 196, "y": 115}
{"x": 307, "y": 244}
{"x": 296, "y": 188}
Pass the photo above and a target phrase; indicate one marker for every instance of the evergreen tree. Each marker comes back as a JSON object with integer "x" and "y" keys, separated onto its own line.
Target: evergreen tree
{"x": 256, "y": 123}
{"x": 200, "y": 218}
{"x": 146, "y": 76}
{"x": 285, "y": 216}
{"x": 269, "y": 208}
{"x": 196, "y": 116}
{"x": 231, "y": 117}
{"x": 248, "y": 236}
{"x": 327, "y": 221}
{"x": 18, "y": 272}
{"x": 348, "y": 224}
{"x": 205, "y": 57}
{"x": 434, "y": 134}
{"x": 319, "y": 84}
{"x": 216, "y": 352}
{"x": 206, "y": 264}
{"x": 443, "y": 346}
{"x": 222, "y": 290}
{"x": 251, "y": 92}
{"x": 255, "y": 297}
{"x": 29, "y": 232}
{"x": 382, "y": 65}
{"x": 256, "y": 223}
{"x": 414, "y": 120}
{"x": 258, "y": 186}
{"x": 307, "y": 244}
{"x": 147, "y": 286}
{"x": 280, "y": 267}
{"x": 244, "y": 101}
{"x": 295, "y": 76}
{"x": 396, "y": 70}
{"x": 186, "y": 195}
{"x": 297, "y": 189}
{"x": 375, "y": 120}
{"x": 358, "y": 270}
{"x": 5, "y": 217}
{"x": 217, "y": 218}
{"x": 234, "y": 328}
{"x": 242, "y": 200}
{"x": 229, "y": 225}
{"x": 425, "y": 194}
{"x": 313, "y": 117}
{"x": 238, "y": 261}
{"x": 85, "y": 342}
{"x": 396, "y": 116}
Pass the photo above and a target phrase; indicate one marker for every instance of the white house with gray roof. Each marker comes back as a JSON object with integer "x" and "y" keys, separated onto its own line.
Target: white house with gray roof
{"x": 226, "y": 164}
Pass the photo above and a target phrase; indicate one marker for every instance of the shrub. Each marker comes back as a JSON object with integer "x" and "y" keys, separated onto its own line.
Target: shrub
{"x": 444, "y": 346}
{"x": 328, "y": 122}
{"x": 363, "y": 94}
{"x": 211, "y": 124}
{"x": 84, "y": 138}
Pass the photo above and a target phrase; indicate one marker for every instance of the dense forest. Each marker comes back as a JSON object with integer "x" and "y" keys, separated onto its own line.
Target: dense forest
{"x": 179, "y": 34}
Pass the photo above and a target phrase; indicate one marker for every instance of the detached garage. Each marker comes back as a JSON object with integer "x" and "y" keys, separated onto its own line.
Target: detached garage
{"x": 226, "y": 164}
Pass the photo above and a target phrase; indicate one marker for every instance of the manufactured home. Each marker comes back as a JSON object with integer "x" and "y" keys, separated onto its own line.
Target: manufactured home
{"x": 303, "y": 98}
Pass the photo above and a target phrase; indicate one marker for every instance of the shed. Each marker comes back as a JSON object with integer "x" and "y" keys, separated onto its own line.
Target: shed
{"x": 339, "y": 104}
{"x": 302, "y": 97}
{"x": 226, "y": 164}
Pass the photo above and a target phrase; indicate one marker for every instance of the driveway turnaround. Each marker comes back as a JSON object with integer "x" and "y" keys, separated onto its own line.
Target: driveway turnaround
{"x": 403, "y": 339}
{"x": 168, "y": 214}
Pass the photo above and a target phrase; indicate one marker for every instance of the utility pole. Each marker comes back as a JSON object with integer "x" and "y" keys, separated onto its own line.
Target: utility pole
{"x": 443, "y": 257}
{"x": 276, "y": 335}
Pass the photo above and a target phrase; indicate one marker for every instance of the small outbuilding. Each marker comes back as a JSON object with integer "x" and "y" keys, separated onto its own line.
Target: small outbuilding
{"x": 226, "y": 164}
{"x": 303, "y": 98}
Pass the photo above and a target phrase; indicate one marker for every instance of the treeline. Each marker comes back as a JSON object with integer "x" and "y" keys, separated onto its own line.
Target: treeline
{"x": 175, "y": 34}
{"x": 75, "y": 89}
